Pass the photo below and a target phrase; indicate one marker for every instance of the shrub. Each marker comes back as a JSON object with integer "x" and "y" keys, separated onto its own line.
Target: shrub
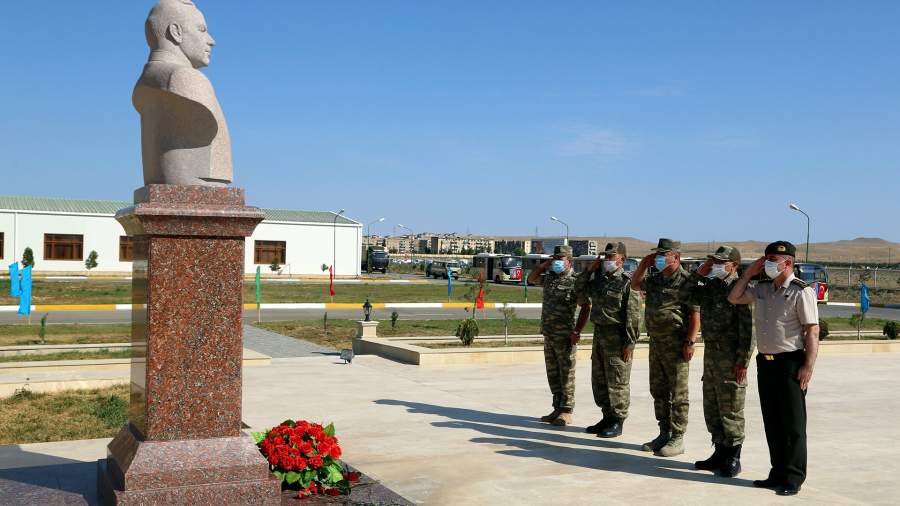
{"x": 891, "y": 329}
{"x": 91, "y": 262}
{"x": 274, "y": 266}
{"x": 28, "y": 258}
{"x": 467, "y": 331}
{"x": 823, "y": 329}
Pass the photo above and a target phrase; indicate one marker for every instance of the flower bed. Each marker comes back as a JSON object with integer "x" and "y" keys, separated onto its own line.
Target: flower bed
{"x": 306, "y": 458}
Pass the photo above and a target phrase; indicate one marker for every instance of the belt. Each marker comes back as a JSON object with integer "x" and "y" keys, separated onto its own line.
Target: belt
{"x": 783, "y": 355}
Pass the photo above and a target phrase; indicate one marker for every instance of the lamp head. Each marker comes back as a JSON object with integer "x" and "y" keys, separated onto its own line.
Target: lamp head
{"x": 554, "y": 218}
{"x": 793, "y": 206}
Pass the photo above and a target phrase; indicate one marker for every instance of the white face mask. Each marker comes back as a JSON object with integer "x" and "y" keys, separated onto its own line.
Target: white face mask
{"x": 718, "y": 271}
{"x": 610, "y": 265}
{"x": 772, "y": 269}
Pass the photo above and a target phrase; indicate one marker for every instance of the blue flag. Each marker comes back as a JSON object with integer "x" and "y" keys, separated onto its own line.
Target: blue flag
{"x": 25, "y": 295}
{"x": 15, "y": 289}
{"x": 449, "y": 284}
{"x": 863, "y": 298}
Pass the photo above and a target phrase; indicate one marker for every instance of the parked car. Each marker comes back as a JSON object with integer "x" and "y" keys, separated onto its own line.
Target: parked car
{"x": 444, "y": 269}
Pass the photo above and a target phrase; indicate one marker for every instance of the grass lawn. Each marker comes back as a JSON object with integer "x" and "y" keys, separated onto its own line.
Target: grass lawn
{"x": 84, "y": 414}
{"x": 876, "y": 295}
{"x": 68, "y": 355}
{"x": 341, "y": 332}
{"x": 482, "y": 344}
{"x": 22, "y": 335}
{"x": 119, "y": 292}
{"x": 836, "y": 324}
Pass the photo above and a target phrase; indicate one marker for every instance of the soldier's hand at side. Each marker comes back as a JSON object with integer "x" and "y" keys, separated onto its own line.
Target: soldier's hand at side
{"x": 627, "y": 352}
{"x": 804, "y": 375}
{"x": 740, "y": 374}
{"x": 574, "y": 338}
{"x": 688, "y": 352}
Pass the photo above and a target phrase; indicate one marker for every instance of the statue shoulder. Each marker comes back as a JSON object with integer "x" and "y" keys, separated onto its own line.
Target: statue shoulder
{"x": 191, "y": 84}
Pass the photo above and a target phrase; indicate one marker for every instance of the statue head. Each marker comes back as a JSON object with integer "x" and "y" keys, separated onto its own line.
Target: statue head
{"x": 178, "y": 26}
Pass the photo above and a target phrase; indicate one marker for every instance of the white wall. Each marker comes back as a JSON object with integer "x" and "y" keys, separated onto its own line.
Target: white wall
{"x": 101, "y": 234}
{"x": 309, "y": 245}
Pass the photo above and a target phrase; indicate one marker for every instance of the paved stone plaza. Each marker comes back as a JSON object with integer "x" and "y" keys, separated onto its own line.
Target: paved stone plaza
{"x": 468, "y": 435}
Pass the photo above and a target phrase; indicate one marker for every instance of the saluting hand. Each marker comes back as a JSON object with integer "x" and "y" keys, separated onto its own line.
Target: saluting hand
{"x": 804, "y": 375}
{"x": 706, "y": 268}
{"x": 595, "y": 265}
{"x": 648, "y": 260}
{"x": 756, "y": 267}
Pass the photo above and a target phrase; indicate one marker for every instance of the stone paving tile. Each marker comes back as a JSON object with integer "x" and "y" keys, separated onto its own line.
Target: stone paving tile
{"x": 280, "y": 346}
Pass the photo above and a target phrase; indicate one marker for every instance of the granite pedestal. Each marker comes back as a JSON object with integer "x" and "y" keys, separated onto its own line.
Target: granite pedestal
{"x": 183, "y": 443}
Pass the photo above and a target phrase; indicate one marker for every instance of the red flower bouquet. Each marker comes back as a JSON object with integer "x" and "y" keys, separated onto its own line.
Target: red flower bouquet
{"x": 306, "y": 457}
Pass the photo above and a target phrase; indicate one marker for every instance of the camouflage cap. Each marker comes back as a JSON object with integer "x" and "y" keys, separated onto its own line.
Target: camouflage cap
{"x": 614, "y": 248}
{"x": 726, "y": 254}
{"x": 781, "y": 248}
{"x": 665, "y": 245}
{"x": 563, "y": 251}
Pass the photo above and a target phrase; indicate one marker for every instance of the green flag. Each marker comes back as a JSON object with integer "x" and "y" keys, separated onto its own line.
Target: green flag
{"x": 258, "y": 288}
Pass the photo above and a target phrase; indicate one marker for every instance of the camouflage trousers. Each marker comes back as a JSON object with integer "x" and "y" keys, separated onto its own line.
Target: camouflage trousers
{"x": 669, "y": 383}
{"x": 559, "y": 357}
{"x": 723, "y": 398}
{"x": 610, "y": 375}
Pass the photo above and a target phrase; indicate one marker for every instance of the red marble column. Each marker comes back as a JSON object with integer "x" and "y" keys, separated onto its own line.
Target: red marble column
{"x": 183, "y": 443}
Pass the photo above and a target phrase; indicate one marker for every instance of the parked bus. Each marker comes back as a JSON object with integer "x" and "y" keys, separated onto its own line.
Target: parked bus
{"x": 497, "y": 268}
{"x": 816, "y": 276}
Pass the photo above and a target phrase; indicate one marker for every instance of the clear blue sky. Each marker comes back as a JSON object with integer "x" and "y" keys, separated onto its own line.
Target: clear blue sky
{"x": 699, "y": 121}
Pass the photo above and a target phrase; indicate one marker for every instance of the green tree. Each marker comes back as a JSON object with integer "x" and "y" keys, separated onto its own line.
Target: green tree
{"x": 28, "y": 258}
{"x": 274, "y": 266}
{"x": 91, "y": 262}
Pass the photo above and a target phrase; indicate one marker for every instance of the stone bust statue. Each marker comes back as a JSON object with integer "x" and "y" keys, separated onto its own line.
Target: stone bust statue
{"x": 184, "y": 137}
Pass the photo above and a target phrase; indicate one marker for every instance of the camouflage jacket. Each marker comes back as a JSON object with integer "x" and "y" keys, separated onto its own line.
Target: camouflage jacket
{"x": 560, "y": 301}
{"x": 613, "y": 302}
{"x": 668, "y": 303}
{"x": 726, "y": 327}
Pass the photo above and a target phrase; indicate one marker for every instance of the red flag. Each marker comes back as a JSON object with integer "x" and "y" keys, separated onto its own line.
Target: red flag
{"x": 479, "y": 301}
{"x": 331, "y": 280}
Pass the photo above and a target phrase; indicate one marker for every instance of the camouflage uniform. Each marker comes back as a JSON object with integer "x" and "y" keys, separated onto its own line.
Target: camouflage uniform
{"x": 667, "y": 314}
{"x": 557, "y": 325}
{"x": 728, "y": 341}
{"x": 616, "y": 314}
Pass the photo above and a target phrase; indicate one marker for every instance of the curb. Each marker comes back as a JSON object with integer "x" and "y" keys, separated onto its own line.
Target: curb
{"x": 338, "y": 305}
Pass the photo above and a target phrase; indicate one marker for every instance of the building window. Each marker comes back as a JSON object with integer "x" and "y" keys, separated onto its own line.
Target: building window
{"x": 63, "y": 247}
{"x": 265, "y": 252}
{"x": 126, "y": 249}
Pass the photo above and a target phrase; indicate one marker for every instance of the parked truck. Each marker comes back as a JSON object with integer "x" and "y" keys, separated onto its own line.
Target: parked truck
{"x": 375, "y": 258}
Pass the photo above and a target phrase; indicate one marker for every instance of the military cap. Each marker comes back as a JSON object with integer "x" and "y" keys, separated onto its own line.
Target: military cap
{"x": 613, "y": 248}
{"x": 665, "y": 245}
{"x": 563, "y": 251}
{"x": 726, "y": 254}
{"x": 781, "y": 248}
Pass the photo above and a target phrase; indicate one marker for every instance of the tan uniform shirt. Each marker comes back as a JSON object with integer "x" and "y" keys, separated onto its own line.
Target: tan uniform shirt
{"x": 781, "y": 314}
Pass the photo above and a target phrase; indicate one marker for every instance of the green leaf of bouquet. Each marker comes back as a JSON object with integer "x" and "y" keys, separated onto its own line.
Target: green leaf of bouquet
{"x": 334, "y": 474}
{"x": 259, "y": 437}
{"x": 292, "y": 477}
{"x": 279, "y": 475}
{"x": 289, "y": 423}
{"x": 329, "y": 430}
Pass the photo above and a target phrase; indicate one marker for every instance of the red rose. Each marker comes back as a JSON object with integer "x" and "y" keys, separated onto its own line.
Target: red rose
{"x": 335, "y": 452}
{"x": 300, "y": 463}
{"x": 352, "y": 476}
{"x": 315, "y": 461}
{"x": 307, "y": 448}
{"x": 332, "y": 491}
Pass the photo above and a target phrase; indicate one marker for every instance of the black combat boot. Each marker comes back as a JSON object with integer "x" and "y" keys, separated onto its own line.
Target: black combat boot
{"x": 612, "y": 429}
{"x": 597, "y": 427}
{"x": 731, "y": 466}
{"x": 714, "y": 462}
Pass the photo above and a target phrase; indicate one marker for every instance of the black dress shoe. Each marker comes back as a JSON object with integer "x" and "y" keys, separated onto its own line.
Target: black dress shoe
{"x": 713, "y": 462}
{"x": 788, "y": 490}
{"x": 597, "y": 427}
{"x": 731, "y": 465}
{"x": 768, "y": 483}
{"x": 612, "y": 429}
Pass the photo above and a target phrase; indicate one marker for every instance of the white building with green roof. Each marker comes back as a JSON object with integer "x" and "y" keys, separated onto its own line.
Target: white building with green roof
{"x": 62, "y": 232}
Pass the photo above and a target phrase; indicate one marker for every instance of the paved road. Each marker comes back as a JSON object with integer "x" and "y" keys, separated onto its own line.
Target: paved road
{"x": 96, "y": 317}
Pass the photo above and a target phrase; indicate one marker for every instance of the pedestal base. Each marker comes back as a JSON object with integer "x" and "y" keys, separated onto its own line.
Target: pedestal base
{"x": 227, "y": 470}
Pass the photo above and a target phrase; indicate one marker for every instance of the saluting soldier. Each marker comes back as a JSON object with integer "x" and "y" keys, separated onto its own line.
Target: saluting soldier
{"x": 671, "y": 323}
{"x": 616, "y": 314}
{"x": 561, "y": 332}
{"x": 787, "y": 331}
{"x": 728, "y": 344}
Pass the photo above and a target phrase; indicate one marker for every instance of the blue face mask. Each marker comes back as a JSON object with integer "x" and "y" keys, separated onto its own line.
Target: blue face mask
{"x": 558, "y": 266}
{"x": 661, "y": 262}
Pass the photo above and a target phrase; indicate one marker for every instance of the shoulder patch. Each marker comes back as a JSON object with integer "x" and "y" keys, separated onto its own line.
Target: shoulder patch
{"x": 799, "y": 283}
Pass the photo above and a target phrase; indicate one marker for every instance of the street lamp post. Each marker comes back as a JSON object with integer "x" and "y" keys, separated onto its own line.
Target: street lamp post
{"x": 411, "y": 237}
{"x": 554, "y": 218}
{"x": 794, "y": 207}
{"x": 334, "y": 242}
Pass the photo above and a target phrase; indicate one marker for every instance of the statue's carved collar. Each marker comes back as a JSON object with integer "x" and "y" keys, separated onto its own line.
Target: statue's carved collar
{"x": 163, "y": 56}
